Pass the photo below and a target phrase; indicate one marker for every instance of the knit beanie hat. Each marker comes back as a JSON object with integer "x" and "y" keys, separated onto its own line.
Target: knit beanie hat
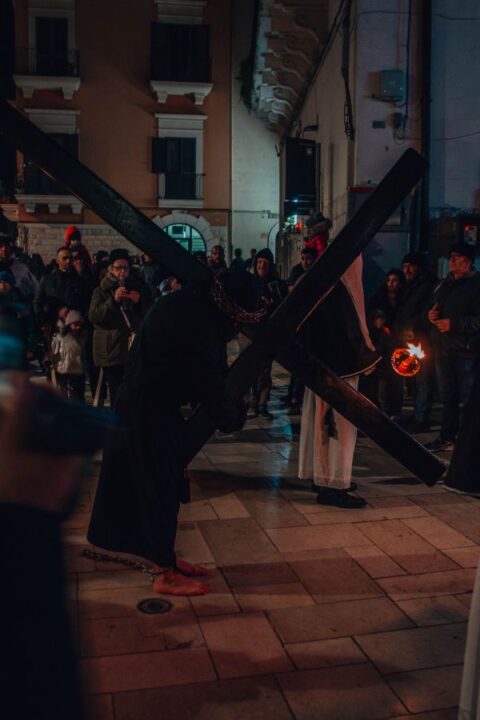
{"x": 72, "y": 233}
{"x": 118, "y": 254}
{"x": 265, "y": 253}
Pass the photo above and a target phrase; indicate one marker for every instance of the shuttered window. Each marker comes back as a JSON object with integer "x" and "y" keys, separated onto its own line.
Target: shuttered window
{"x": 180, "y": 52}
{"x": 175, "y": 157}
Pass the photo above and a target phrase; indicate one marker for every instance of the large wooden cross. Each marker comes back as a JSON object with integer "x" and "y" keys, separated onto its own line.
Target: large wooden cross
{"x": 277, "y": 336}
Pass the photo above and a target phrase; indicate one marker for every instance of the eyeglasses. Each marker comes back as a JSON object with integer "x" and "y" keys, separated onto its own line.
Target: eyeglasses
{"x": 125, "y": 268}
{"x": 65, "y": 257}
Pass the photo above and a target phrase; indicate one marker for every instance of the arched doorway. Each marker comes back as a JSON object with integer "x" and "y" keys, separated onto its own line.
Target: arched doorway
{"x": 186, "y": 236}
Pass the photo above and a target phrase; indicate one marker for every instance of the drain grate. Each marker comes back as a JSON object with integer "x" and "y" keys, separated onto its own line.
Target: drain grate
{"x": 154, "y": 606}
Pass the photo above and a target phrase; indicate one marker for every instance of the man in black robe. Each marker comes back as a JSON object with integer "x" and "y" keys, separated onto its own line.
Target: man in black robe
{"x": 177, "y": 357}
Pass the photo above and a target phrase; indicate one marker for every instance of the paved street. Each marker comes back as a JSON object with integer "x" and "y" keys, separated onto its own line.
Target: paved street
{"x": 315, "y": 613}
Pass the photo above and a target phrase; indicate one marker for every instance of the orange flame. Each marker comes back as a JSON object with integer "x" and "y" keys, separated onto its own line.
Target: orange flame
{"x": 406, "y": 361}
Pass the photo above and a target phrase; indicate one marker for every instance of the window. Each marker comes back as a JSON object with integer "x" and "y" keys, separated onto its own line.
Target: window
{"x": 180, "y": 53}
{"x": 36, "y": 182}
{"x": 51, "y": 45}
{"x": 186, "y": 236}
{"x": 177, "y": 157}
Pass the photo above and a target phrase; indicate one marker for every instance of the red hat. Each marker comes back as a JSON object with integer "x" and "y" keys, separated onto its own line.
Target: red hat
{"x": 72, "y": 233}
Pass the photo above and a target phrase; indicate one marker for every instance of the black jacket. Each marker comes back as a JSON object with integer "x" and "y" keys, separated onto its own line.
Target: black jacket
{"x": 458, "y": 300}
{"x": 57, "y": 290}
{"x": 333, "y": 334}
{"x": 415, "y": 302}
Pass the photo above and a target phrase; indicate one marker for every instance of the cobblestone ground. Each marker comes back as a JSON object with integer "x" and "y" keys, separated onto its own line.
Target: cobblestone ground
{"x": 315, "y": 613}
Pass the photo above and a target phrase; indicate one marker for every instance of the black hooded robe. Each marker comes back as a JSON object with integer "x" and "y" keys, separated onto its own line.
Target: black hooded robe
{"x": 176, "y": 357}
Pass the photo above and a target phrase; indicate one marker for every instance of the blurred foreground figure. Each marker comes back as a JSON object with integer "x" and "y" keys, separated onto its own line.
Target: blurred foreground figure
{"x": 39, "y": 675}
{"x": 177, "y": 357}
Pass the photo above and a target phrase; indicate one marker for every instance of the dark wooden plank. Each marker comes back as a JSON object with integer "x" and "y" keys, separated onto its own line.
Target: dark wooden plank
{"x": 117, "y": 212}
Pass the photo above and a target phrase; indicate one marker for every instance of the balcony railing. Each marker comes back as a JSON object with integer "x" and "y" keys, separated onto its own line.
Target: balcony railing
{"x": 180, "y": 186}
{"x": 30, "y": 61}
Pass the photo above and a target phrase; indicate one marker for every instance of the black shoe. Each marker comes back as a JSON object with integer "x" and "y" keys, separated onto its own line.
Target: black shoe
{"x": 440, "y": 445}
{"x": 352, "y": 488}
{"x": 263, "y": 412}
{"x": 339, "y": 498}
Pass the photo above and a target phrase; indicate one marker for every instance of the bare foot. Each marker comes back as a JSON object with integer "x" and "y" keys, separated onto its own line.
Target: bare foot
{"x": 190, "y": 570}
{"x": 174, "y": 583}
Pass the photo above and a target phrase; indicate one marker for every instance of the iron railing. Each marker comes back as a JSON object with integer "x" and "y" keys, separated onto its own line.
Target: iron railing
{"x": 180, "y": 186}
{"x": 30, "y": 61}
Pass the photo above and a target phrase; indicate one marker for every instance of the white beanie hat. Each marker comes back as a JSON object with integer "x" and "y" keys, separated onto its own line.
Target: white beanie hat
{"x": 73, "y": 316}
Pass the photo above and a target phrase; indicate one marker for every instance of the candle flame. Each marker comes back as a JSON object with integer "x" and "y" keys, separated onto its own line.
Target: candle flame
{"x": 416, "y": 350}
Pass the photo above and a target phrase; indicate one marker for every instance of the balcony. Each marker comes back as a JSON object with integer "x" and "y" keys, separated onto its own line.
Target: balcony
{"x": 178, "y": 189}
{"x": 47, "y": 71}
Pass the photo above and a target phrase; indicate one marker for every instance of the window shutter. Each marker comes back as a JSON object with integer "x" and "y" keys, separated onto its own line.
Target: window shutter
{"x": 159, "y": 155}
{"x": 187, "y": 155}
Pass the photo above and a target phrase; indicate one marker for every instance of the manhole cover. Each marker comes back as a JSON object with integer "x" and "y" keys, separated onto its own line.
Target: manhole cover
{"x": 154, "y": 606}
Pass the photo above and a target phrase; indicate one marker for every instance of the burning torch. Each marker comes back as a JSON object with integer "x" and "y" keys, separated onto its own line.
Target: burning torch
{"x": 406, "y": 360}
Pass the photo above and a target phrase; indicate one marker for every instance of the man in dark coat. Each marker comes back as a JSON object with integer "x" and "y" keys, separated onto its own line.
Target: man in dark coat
{"x": 411, "y": 326}
{"x": 177, "y": 356}
{"x": 116, "y": 310}
{"x": 60, "y": 291}
{"x": 455, "y": 317}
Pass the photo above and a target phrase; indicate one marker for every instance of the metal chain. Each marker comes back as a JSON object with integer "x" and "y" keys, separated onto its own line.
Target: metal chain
{"x": 135, "y": 565}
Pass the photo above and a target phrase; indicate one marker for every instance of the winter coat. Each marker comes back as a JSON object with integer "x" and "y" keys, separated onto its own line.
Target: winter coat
{"x": 111, "y": 333}
{"x": 58, "y": 289}
{"x": 458, "y": 300}
{"x": 67, "y": 351}
{"x": 414, "y": 303}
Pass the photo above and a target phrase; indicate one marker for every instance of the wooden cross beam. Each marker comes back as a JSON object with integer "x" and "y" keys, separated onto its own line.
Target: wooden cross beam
{"x": 281, "y": 327}
{"x": 100, "y": 197}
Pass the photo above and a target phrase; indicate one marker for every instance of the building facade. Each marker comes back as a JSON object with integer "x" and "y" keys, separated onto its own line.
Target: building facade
{"x": 141, "y": 93}
{"x": 353, "y": 84}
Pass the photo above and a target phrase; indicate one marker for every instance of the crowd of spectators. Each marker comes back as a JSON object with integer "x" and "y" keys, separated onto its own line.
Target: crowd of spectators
{"x": 79, "y": 315}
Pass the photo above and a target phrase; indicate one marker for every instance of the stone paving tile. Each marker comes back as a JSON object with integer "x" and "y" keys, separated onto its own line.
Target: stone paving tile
{"x": 367, "y": 515}
{"x": 242, "y": 645}
{"x": 429, "y": 584}
{"x": 465, "y": 599}
{"x": 374, "y": 561}
{"x": 337, "y": 620}
{"x": 451, "y": 714}
{"x": 115, "y": 579}
{"x": 434, "y": 610}
{"x": 98, "y": 707}
{"x": 118, "y": 602}
{"x": 145, "y": 670}
{"x": 464, "y": 517}
{"x": 355, "y": 692}
{"x": 316, "y": 538}
{"x": 437, "y": 533}
{"x": 468, "y": 557}
{"x": 325, "y": 653}
{"x": 219, "y": 601}
{"x": 272, "y": 597}
{"x": 228, "y": 507}
{"x": 257, "y": 698}
{"x": 240, "y": 576}
{"x": 336, "y": 579}
{"x": 271, "y": 510}
{"x": 190, "y": 544}
{"x": 197, "y": 510}
{"x": 416, "y": 648}
{"x": 423, "y": 690}
{"x": 141, "y": 633}
{"x": 445, "y": 498}
{"x": 405, "y": 547}
{"x": 238, "y": 541}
